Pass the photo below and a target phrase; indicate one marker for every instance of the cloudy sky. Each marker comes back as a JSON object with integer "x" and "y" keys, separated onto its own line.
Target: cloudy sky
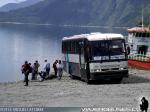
{"x": 3, "y": 2}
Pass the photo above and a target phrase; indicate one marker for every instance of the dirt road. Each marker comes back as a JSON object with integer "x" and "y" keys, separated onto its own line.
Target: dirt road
{"x": 75, "y": 93}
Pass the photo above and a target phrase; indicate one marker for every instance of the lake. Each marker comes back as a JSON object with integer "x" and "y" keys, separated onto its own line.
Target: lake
{"x": 20, "y": 42}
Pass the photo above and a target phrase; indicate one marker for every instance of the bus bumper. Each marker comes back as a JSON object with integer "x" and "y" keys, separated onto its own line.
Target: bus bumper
{"x": 108, "y": 75}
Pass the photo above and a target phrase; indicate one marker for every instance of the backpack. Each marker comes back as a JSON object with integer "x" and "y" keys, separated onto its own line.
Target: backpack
{"x": 23, "y": 68}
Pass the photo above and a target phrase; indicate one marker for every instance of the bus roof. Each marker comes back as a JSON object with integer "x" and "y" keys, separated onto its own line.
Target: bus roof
{"x": 95, "y": 36}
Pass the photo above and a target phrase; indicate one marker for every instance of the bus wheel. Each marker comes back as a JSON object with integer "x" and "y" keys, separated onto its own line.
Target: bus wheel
{"x": 118, "y": 80}
{"x": 72, "y": 77}
{"x": 87, "y": 81}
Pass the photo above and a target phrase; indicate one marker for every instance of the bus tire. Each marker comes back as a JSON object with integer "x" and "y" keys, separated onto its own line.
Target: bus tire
{"x": 118, "y": 80}
{"x": 87, "y": 81}
{"x": 72, "y": 77}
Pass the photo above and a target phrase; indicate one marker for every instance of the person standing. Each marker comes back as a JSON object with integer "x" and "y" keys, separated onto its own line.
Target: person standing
{"x": 33, "y": 71}
{"x": 47, "y": 69}
{"x": 30, "y": 69}
{"x": 37, "y": 65}
{"x": 59, "y": 69}
{"x": 43, "y": 72}
{"x": 26, "y": 70}
{"x": 55, "y": 67}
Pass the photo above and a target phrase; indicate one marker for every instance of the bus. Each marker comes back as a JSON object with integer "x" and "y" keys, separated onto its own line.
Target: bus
{"x": 95, "y": 56}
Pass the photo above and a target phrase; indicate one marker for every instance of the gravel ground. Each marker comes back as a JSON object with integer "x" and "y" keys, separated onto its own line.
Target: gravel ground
{"x": 75, "y": 93}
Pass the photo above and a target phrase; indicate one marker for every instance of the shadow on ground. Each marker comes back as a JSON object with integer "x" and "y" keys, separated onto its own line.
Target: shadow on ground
{"x": 132, "y": 79}
{"x": 135, "y": 79}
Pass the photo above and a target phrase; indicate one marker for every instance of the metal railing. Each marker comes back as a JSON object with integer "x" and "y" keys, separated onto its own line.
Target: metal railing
{"x": 139, "y": 57}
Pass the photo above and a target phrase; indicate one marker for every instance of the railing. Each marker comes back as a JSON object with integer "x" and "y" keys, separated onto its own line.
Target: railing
{"x": 139, "y": 57}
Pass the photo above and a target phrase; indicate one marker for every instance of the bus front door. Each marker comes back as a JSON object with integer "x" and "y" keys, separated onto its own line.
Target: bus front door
{"x": 82, "y": 64}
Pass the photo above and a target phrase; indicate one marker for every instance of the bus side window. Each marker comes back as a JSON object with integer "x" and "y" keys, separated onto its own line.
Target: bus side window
{"x": 76, "y": 47}
{"x": 73, "y": 47}
{"x": 69, "y": 46}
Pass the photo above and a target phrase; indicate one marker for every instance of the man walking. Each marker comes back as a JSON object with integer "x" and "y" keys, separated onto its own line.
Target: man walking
{"x": 59, "y": 69}
{"x": 26, "y": 70}
{"x": 55, "y": 67}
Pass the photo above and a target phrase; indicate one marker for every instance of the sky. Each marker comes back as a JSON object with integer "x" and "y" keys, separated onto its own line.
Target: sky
{"x": 3, "y": 2}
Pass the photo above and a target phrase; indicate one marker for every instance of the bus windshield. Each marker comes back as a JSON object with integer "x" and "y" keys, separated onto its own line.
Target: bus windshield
{"x": 100, "y": 48}
{"x": 108, "y": 49}
{"x": 117, "y": 47}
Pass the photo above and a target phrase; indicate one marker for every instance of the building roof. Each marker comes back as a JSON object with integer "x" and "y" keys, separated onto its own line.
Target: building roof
{"x": 95, "y": 36}
{"x": 139, "y": 29}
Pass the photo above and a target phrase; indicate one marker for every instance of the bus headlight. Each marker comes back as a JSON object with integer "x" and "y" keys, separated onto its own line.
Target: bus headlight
{"x": 98, "y": 70}
{"x": 123, "y": 68}
{"x": 95, "y": 70}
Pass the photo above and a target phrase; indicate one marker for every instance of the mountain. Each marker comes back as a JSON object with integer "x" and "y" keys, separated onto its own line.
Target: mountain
{"x": 82, "y": 12}
{"x": 14, "y": 6}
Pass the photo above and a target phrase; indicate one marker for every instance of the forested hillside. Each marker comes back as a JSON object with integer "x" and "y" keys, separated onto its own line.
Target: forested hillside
{"x": 82, "y": 12}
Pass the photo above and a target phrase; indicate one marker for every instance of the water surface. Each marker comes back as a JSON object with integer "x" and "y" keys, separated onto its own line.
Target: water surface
{"x": 34, "y": 42}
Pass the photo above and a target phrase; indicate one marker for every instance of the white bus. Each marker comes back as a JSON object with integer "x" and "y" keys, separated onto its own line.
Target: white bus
{"x": 95, "y": 56}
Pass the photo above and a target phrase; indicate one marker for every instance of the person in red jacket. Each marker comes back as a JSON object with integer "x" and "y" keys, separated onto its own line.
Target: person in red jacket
{"x": 26, "y": 70}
